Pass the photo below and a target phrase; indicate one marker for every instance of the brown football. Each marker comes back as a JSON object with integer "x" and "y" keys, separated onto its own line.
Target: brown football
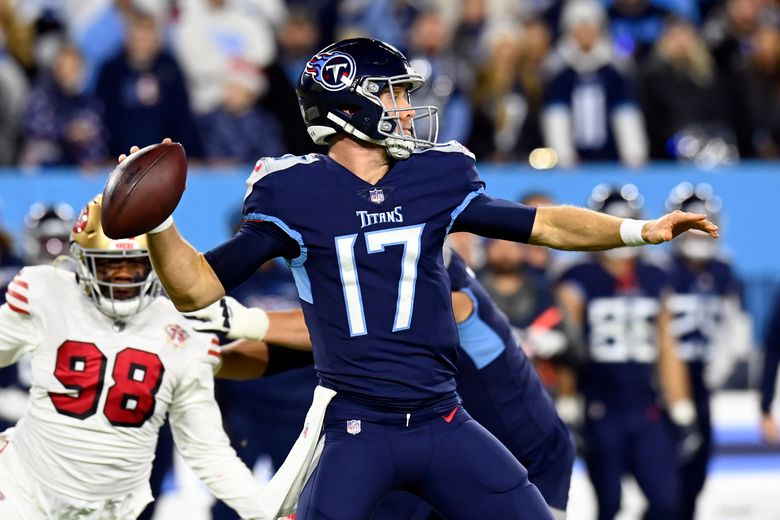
{"x": 143, "y": 190}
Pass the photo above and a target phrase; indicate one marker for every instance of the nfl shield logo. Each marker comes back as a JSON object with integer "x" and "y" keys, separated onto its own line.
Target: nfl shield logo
{"x": 353, "y": 426}
{"x": 376, "y": 196}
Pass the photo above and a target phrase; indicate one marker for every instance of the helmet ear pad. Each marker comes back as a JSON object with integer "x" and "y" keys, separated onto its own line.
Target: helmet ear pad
{"x": 364, "y": 118}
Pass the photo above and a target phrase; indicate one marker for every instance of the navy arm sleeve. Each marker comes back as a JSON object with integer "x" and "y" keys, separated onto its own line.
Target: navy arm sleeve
{"x": 254, "y": 244}
{"x": 496, "y": 218}
{"x": 771, "y": 358}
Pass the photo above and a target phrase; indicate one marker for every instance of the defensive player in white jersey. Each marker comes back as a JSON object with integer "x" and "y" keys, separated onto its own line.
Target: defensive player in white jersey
{"x": 110, "y": 358}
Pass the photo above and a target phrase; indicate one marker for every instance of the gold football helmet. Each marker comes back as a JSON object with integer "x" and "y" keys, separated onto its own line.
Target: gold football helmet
{"x": 116, "y": 274}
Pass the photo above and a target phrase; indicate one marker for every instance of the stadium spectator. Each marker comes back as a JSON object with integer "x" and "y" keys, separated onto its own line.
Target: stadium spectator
{"x": 13, "y": 96}
{"x": 729, "y": 34}
{"x": 764, "y": 95}
{"x": 215, "y": 36}
{"x": 470, "y": 29}
{"x": 299, "y": 37}
{"x": 508, "y": 92}
{"x": 447, "y": 76}
{"x": 100, "y": 29}
{"x": 386, "y": 20}
{"x": 18, "y": 34}
{"x": 324, "y": 12}
{"x": 240, "y": 130}
{"x": 63, "y": 125}
{"x": 144, "y": 93}
{"x": 590, "y": 112}
{"x": 682, "y": 95}
{"x": 635, "y": 25}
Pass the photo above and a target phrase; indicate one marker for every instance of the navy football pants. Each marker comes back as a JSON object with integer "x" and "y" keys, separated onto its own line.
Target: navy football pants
{"x": 633, "y": 441}
{"x": 693, "y": 473}
{"x": 549, "y": 468}
{"x": 442, "y": 455}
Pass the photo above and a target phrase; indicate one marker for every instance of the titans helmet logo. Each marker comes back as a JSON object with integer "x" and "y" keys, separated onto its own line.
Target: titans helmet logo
{"x": 333, "y": 70}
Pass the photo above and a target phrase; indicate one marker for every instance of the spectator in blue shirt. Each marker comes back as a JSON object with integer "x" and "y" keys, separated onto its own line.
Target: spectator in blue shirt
{"x": 240, "y": 130}
{"x": 63, "y": 124}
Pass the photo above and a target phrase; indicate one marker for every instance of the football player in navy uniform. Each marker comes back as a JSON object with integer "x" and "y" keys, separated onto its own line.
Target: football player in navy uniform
{"x": 618, "y": 301}
{"x": 706, "y": 321}
{"x": 769, "y": 429}
{"x": 362, "y": 229}
{"x": 495, "y": 380}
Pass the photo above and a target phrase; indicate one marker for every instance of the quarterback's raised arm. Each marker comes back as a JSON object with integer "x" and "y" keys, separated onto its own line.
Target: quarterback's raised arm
{"x": 572, "y": 228}
{"x": 185, "y": 274}
{"x": 192, "y": 279}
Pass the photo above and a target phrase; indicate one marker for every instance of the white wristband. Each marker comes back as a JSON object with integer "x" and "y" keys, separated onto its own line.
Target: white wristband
{"x": 255, "y": 324}
{"x": 631, "y": 232}
{"x": 682, "y": 412}
{"x": 168, "y": 222}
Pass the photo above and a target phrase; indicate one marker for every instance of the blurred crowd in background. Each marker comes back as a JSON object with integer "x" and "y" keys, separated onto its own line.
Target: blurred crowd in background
{"x": 553, "y": 83}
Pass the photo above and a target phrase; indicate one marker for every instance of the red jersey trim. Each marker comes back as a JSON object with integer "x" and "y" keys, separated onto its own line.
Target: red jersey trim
{"x": 17, "y": 309}
{"x": 17, "y": 296}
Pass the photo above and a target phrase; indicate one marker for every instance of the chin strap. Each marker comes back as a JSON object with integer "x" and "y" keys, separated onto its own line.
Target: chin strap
{"x": 398, "y": 148}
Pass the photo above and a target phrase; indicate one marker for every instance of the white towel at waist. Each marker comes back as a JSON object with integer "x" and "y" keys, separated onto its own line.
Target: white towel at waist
{"x": 280, "y": 495}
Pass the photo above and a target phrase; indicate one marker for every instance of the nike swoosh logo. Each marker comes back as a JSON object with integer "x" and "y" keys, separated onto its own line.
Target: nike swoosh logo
{"x": 448, "y": 418}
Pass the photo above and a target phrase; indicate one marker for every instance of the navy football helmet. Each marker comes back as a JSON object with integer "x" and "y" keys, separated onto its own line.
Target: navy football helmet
{"x": 47, "y": 232}
{"x": 620, "y": 201}
{"x": 339, "y": 91}
{"x": 695, "y": 245}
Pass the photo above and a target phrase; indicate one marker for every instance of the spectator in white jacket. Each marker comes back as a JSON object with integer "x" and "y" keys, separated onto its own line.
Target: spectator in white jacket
{"x": 590, "y": 110}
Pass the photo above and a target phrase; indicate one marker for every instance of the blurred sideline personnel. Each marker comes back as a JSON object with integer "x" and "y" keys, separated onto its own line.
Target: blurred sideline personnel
{"x": 708, "y": 325}
{"x": 47, "y": 232}
{"x": 769, "y": 429}
{"x": 110, "y": 358}
{"x": 619, "y": 303}
{"x": 495, "y": 381}
{"x": 263, "y": 429}
{"x": 363, "y": 228}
